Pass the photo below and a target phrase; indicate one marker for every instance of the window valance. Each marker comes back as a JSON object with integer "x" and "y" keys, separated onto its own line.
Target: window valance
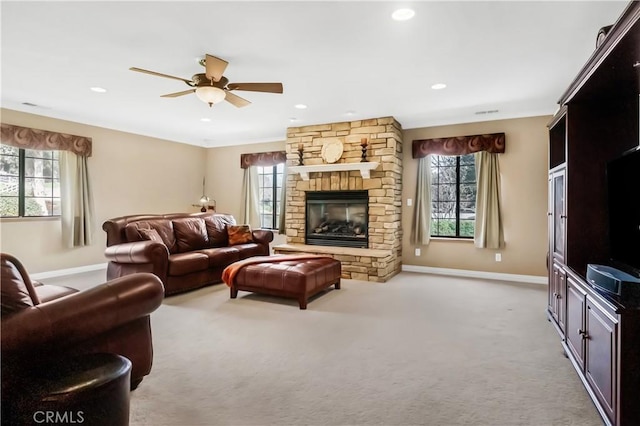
{"x": 25, "y": 137}
{"x": 263, "y": 159}
{"x": 459, "y": 145}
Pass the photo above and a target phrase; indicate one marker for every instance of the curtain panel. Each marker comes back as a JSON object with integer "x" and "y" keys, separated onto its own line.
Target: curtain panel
{"x": 421, "y": 229}
{"x": 488, "y": 228}
{"x": 459, "y": 145}
{"x": 250, "y": 198}
{"x": 76, "y": 201}
{"x": 283, "y": 201}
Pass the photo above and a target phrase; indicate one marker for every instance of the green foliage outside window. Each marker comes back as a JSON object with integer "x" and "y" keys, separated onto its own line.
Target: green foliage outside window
{"x": 270, "y": 180}
{"x": 453, "y": 196}
{"x": 29, "y": 182}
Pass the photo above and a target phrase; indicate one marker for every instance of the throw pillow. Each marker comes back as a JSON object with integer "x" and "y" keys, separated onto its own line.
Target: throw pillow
{"x": 191, "y": 234}
{"x": 239, "y": 234}
{"x": 217, "y": 229}
{"x": 150, "y": 234}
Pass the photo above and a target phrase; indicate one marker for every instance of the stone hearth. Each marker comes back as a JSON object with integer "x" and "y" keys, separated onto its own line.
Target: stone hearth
{"x": 382, "y": 259}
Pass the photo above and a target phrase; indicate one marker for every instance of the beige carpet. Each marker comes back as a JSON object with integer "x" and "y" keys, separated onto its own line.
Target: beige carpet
{"x": 419, "y": 349}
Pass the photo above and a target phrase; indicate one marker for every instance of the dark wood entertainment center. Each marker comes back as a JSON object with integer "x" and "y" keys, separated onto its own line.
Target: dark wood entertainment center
{"x": 598, "y": 121}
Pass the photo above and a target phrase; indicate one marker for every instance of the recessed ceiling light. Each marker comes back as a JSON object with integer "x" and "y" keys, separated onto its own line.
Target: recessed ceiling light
{"x": 300, "y": 106}
{"x": 438, "y": 86}
{"x": 205, "y": 119}
{"x": 98, "y": 90}
{"x": 403, "y": 14}
{"x": 293, "y": 119}
{"x": 350, "y": 113}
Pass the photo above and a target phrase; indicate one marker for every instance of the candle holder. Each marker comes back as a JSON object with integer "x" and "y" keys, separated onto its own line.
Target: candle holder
{"x": 364, "y": 152}
{"x": 300, "y": 162}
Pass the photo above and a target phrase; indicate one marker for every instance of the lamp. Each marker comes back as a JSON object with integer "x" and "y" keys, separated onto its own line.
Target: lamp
{"x": 210, "y": 94}
{"x": 204, "y": 200}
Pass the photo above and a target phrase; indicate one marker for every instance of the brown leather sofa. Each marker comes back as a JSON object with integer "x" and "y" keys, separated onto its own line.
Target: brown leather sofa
{"x": 185, "y": 250}
{"x": 44, "y": 323}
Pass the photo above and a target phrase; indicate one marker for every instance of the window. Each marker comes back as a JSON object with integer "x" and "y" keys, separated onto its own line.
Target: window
{"x": 29, "y": 182}
{"x": 270, "y": 191}
{"x": 453, "y": 196}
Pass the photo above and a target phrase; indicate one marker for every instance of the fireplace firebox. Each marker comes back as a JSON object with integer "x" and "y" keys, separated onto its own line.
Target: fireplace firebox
{"x": 337, "y": 218}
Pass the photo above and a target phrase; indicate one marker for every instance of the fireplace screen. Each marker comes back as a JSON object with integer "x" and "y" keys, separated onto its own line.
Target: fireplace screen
{"x": 337, "y": 218}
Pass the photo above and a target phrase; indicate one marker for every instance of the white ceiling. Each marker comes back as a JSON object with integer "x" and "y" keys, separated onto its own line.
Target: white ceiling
{"x": 515, "y": 57}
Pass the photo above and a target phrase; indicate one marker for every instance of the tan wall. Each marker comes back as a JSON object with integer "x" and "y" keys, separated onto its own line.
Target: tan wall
{"x": 136, "y": 174}
{"x": 129, "y": 174}
{"x": 523, "y": 170}
{"x": 224, "y": 175}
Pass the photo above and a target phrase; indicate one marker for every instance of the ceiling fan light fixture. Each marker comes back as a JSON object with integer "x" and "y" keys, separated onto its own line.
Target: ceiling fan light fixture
{"x": 210, "y": 94}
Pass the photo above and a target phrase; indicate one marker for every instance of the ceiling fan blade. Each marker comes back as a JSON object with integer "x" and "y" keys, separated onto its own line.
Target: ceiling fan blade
{"x": 189, "y": 82}
{"x": 175, "y": 95}
{"x": 257, "y": 87}
{"x": 236, "y": 100}
{"x": 214, "y": 67}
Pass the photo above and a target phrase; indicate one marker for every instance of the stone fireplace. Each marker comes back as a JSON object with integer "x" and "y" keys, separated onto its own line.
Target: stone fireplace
{"x": 380, "y": 179}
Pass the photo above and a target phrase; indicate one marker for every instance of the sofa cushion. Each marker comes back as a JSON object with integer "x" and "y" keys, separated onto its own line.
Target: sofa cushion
{"x": 49, "y": 292}
{"x": 217, "y": 229}
{"x": 191, "y": 234}
{"x": 239, "y": 234}
{"x": 186, "y": 263}
{"x": 150, "y": 235}
{"x": 251, "y": 249}
{"x": 163, "y": 226}
{"x": 15, "y": 294}
{"x": 221, "y": 257}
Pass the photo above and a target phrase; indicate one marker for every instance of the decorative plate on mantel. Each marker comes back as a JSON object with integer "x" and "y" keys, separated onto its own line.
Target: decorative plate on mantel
{"x": 331, "y": 150}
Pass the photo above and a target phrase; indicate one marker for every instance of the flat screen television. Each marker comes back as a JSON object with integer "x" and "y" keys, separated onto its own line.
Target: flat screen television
{"x": 623, "y": 185}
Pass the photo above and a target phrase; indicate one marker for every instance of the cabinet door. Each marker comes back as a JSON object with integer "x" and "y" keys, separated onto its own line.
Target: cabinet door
{"x": 574, "y": 325}
{"x": 553, "y": 291}
{"x": 558, "y": 215}
{"x": 601, "y": 355}
{"x": 561, "y": 296}
{"x": 557, "y": 294}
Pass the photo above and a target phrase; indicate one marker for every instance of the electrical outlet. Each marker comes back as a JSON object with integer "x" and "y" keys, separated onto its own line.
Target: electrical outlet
{"x": 409, "y": 202}
{"x": 498, "y": 257}
{"x": 417, "y": 252}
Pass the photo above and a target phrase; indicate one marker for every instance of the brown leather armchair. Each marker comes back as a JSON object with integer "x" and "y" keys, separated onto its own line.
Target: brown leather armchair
{"x": 42, "y": 323}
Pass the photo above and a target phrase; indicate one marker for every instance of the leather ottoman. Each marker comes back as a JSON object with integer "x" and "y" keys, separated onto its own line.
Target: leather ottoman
{"x": 298, "y": 279}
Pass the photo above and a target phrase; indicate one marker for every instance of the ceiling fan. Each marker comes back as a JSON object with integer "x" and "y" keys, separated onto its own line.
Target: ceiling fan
{"x": 212, "y": 87}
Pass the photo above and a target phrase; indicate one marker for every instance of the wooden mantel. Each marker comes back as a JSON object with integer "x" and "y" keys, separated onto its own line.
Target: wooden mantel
{"x": 364, "y": 168}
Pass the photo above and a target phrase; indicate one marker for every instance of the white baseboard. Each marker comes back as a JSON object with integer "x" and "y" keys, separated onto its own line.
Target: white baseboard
{"x": 68, "y": 271}
{"x": 532, "y": 279}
